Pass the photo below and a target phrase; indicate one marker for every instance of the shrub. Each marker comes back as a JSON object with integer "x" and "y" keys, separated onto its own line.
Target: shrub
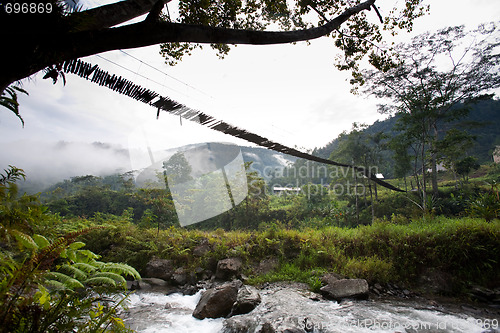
{"x": 486, "y": 205}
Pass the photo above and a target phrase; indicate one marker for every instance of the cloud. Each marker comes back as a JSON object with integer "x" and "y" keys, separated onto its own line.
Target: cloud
{"x": 46, "y": 163}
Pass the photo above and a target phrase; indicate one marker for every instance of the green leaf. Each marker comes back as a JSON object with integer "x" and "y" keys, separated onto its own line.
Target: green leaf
{"x": 116, "y": 277}
{"x": 101, "y": 280}
{"x": 88, "y": 254}
{"x": 67, "y": 281}
{"x": 25, "y": 240}
{"x": 88, "y": 268}
{"x": 55, "y": 284}
{"x": 41, "y": 241}
{"x": 74, "y": 271}
{"x": 43, "y": 297}
{"x": 122, "y": 269}
{"x": 76, "y": 245}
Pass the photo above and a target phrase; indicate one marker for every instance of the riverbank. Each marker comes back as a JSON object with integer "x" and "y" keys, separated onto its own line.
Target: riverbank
{"x": 438, "y": 256}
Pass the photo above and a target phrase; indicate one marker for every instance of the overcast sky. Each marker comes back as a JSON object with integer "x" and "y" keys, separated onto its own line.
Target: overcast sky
{"x": 289, "y": 93}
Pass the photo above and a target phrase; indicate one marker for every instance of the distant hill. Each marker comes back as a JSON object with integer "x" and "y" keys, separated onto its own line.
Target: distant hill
{"x": 483, "y": 121}
{"x": 263, "y": 160}
{"x": 52, "y": 163}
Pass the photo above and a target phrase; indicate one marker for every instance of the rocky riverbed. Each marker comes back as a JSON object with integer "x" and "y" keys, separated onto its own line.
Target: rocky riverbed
{"x": 286, "y": 307}
{"x": 177, "y": 300}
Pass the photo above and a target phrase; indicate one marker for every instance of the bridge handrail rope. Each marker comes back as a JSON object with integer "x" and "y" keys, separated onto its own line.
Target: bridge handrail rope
{"x": 125, "y": 87}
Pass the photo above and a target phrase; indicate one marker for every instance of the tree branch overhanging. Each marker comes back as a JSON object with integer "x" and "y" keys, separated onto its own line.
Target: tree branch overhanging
{"x": 92, "y": 36}
{"x": 113, "y": 14}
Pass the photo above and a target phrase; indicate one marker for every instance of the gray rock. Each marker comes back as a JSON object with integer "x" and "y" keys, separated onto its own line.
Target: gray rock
{"x": 331, "y": 277}
{"x": 133, "y": 285}
{"x": 153, "y": 283}
{"x": 202, "y": 249}
{"x": 217, "y": 302}
{"x": 228, "y": 268}
{"x": 248, "y": 298}
{"x": 180, "y": 276}
{"x": 141, "y": 285}
{"x": 240, "y": 324}
{"x": 267, "y": 328}
{"x": 159, "y": 268}
{"x": 346, "y": 288}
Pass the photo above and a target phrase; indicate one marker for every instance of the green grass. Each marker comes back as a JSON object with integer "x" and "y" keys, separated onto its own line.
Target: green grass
{"x": 466, "y": 248}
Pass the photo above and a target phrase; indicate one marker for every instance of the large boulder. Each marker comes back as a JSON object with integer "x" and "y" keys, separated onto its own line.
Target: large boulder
{"x": 248, "y": 298}
{"x": 331, "y": 277}
{"x": 159, "y": 268}
{"x": 181, "y": 277}
{"x": 228, "y": 269}
{"x": 217, "y": 302}
{"x": 346, "y": 288}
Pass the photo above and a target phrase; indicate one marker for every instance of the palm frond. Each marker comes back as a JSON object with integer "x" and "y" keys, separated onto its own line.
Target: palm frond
{"x": 53, "y": 284}
{"x": 75, "y": 272}
{"x": 101, "y": 280}
{"x": 85, "y": 267}
{"x": 68, "y": 282}
{"x": 122, "y": 269}
{"x": 116, "y": 277}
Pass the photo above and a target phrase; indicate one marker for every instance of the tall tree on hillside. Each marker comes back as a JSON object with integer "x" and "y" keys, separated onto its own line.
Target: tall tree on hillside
{"x": 437, "y": 72}
{"x": 40, "y": 35}
{"x": 360, "y": 148}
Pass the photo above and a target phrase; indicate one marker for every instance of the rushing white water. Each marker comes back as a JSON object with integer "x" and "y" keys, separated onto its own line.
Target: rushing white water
{"x": 291, "y": 309}
{"x": 155, "y": 312}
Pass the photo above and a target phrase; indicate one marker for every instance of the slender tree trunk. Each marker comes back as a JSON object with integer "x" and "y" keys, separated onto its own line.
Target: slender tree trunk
{"x": 435, "y": 188}
{"x": 356, "y": 195}
{"x": 424, "y": 179}
{"x": 364, "y": 193}
{"x": 373, "y": 202}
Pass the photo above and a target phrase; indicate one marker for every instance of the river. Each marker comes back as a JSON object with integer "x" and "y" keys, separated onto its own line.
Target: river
{"x": 288, "y": 309}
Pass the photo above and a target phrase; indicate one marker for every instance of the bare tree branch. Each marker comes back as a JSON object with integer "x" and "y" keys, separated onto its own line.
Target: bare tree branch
{"x": 154, "y": 14}
{"x": 113, "y": 14}
{"x": 149, "y": 33}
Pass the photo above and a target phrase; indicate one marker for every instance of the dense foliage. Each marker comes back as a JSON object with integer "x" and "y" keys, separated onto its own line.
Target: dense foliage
{"x": 50, "y": 268}
{"x": 48, "y": 282}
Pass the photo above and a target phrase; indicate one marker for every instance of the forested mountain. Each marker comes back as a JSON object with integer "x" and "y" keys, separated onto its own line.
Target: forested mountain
{"x": 483, "y": 122}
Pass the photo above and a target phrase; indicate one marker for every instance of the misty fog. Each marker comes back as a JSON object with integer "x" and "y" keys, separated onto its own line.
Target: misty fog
{"x": 46, "y": 163}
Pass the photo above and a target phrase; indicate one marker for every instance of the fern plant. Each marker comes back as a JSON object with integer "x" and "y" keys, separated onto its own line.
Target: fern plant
{"x": 57, "y": 285}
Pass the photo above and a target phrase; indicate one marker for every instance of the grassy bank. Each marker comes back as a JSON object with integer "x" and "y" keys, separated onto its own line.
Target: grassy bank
{"x": 462, "y": 250}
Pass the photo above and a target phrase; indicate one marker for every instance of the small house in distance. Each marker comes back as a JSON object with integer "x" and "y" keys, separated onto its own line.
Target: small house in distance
{"x": 496, "y": 155}
{"x": 278, "y": 190}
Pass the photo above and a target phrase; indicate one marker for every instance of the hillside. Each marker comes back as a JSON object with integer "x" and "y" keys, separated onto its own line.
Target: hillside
{"x": 483, "y": 122}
